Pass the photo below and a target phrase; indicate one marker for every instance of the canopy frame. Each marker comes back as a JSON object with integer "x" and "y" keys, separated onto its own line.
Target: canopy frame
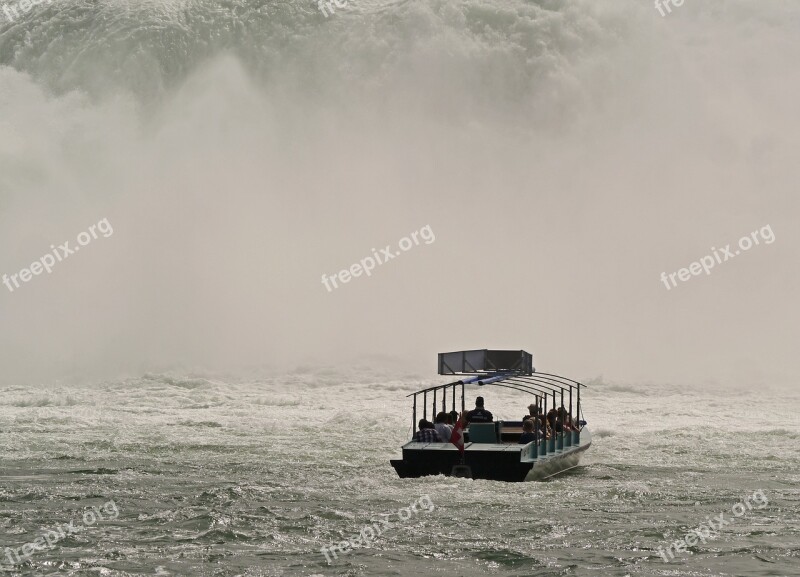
{"x": 541, "y": 385}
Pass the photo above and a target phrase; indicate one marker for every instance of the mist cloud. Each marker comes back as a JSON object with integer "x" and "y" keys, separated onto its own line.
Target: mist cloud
{"x": 564, "y": 154}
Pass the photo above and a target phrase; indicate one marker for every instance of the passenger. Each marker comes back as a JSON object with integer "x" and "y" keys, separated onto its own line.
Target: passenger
{"x": 528, "y": 435}
{"x": 453, "y": 418}
{"x": 445, "y": 431}
{"x": 552, "y": 421}
{"x": 543, "y": 429}
{"x": 479, "y": 414}
{"x": 565, "y": 417}
{"x": 533, "y": 411}
{"x": 427, "y": 433}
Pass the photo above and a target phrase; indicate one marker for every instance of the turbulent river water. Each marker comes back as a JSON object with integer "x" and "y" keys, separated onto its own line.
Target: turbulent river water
{"x": 212, "y": 476}
{"x": 564, "y": 153}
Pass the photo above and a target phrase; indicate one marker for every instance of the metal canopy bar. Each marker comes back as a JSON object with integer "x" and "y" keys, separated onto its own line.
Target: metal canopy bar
{"x": 461, "y": 382}
{"x": 522, "y": 386}
{"x": 517, "y": 387}
{"x": 542, "y": 390}
{"x": 562, "y": 378}
{"x": 550, "y": 382}
{"x": 537, "y": 391}
{"x": 546, "y": 385}
{"x": 492, "y": 380}
{"x": 535, "y": 386}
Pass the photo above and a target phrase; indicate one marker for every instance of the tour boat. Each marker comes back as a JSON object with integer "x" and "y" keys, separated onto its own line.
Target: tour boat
{"x": 492, "y": 450}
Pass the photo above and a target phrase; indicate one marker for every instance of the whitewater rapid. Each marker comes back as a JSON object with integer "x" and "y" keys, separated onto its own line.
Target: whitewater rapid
{"x": 256, "y": 476}
{"x": 565, "y": 153}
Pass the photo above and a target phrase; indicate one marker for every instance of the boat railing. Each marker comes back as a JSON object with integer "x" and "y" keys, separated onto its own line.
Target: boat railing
{"x": 547, "y": 389}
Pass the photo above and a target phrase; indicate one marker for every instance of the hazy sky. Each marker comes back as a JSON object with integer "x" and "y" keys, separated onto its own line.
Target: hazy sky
{"x": 564, "y": 154}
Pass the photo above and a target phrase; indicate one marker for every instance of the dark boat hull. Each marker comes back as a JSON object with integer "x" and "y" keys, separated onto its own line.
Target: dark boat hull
{"x": 496, "y": 462}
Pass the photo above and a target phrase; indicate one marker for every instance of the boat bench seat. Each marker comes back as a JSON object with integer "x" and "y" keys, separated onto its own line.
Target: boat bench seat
{"x": 482, "y": 433}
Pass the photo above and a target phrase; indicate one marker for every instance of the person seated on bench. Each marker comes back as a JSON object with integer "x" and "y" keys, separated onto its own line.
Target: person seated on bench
{"x": 552, "y": 421}
{"x": 565, "y": 417}
{"x": 453, "y": 418}
{"x": 527, "y": 436}
{"x": 543, "y": 429}
{"x": 427, "y": 433}
{"x": 445, "y": 431}
{"x": 533, "y": 412}
{"x": 479, "y": 414}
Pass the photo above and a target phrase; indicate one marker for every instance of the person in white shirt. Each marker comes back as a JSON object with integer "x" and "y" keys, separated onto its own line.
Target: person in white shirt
{"x": 442, "y": 427}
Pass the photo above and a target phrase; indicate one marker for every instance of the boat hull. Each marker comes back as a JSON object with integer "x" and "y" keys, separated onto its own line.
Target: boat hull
{"x": 496, "y": 462}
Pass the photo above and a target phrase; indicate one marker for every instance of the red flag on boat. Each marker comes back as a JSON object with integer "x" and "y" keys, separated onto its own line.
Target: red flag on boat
{"x": 457, "y": 436}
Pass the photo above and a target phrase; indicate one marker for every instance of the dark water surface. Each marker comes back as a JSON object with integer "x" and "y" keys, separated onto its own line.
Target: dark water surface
{"x": 243, "y": 478}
